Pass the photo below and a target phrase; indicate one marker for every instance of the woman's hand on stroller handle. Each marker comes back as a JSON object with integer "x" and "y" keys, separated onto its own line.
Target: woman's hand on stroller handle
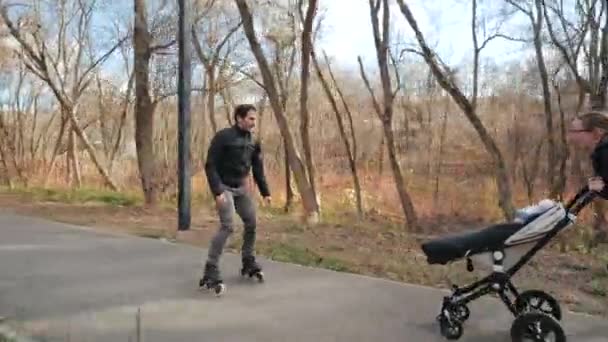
{"x": 583, "y": 197}
{"x": 596, "y": 184}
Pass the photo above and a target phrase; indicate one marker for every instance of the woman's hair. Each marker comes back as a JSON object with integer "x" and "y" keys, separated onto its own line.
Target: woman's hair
{"x": 593, "y": 119}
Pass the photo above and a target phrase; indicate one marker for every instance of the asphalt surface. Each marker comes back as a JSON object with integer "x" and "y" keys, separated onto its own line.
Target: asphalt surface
{"x": 66, "y": 283}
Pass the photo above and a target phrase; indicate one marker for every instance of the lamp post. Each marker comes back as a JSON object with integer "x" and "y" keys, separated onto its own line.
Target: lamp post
{"x": 183, "y": 108}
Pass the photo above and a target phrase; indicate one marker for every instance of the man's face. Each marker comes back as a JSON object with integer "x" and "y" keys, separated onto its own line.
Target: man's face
{"x": 248, "y": 122}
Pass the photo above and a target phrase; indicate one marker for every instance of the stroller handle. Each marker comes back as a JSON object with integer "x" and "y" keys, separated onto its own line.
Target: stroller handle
{"x": 580, "y": 200}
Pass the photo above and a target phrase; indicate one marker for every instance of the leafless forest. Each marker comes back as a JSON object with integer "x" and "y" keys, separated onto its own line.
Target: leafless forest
{"x": 89, "y": 100}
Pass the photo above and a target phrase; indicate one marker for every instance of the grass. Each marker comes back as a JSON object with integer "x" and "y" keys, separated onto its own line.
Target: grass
{"x": 599, "y": 287}
{"x": 72, "y": 196}
{"x": 5, "y": 338}
{"x": 285, "y": 252}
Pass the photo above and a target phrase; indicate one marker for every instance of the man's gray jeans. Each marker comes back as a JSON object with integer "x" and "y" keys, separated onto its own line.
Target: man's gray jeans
{"x": 239, "y": 200}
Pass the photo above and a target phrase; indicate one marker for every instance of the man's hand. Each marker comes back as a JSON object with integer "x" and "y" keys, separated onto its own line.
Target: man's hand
{"x": 220, "y": 199}
{"x": 267, "y": 201}
{"x": 596, "y": 184}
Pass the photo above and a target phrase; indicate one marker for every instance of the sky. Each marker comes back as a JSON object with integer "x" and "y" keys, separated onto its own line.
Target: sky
{"x": 348, "y": 30}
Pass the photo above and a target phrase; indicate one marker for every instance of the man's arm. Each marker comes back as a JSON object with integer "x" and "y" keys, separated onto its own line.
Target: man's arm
{"x": 211, "y": 165}
{"x": 257, "y": 164}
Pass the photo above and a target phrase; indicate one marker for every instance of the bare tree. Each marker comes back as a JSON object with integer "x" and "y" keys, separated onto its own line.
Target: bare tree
{"x": 70, "y": 83}
{"x": 124, "y": 109}
{"x": 144, "y": 112}
{"x": 533, "y": 10}
{"x": 145, "y": 43}
{"x": 282, "y": 38}
{"x": 589, "y": 37}
{"x": 308, "y": 199}
{"x": 385, "y": 112}
{"x": 307, "y": 48}
{"x": 283, "y": 64}
{"x": 441, "y": 74}
{"x": 22, "y": 100}
{"x": 211, "y": 56}
{"x": 351, "y": 152}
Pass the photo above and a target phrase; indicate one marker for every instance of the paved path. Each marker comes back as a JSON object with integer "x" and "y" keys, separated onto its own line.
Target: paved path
{"x": 65, "y": 283}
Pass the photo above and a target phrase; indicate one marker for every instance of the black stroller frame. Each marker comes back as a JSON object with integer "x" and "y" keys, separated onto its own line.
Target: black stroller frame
{"x": 454, "y": 310}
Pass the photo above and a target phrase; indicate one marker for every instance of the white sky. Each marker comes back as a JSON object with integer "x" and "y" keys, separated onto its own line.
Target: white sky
{"x": 348, "y": 31}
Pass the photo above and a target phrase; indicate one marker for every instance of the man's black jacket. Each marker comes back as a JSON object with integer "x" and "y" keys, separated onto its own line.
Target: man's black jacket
{"x": 232, "y": 154}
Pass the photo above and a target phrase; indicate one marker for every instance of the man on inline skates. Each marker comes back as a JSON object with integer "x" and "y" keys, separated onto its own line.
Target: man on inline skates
{"x": 232, "y": 155}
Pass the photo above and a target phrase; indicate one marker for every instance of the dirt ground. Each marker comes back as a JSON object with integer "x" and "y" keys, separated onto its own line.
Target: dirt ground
{"x": 578, "y": 279}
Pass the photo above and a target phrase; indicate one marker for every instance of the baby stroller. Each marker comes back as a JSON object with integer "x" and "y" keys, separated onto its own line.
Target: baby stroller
{"x": 503, "y": 249}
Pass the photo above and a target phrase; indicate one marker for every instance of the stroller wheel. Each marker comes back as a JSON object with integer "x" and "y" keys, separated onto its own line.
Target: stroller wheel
{"x": 461, "y": 312}
{"x": 535, "y": 326}
{"x": 538, "y": 301}
{"x": 451, "y": 330}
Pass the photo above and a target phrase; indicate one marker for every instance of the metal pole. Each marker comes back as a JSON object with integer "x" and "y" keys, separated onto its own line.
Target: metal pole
{"x": 183, "y": 108}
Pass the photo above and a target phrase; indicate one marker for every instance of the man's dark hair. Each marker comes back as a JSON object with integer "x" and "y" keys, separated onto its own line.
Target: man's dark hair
{"x": 241, "y": 110}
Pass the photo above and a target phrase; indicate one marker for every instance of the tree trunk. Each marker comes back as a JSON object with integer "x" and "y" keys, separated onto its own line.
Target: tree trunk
{"x": 542, "y": 68}
{"x": 144, "y": 110}
{"x": 406, "y": 201}
{"x": 228, "y": 104}
{"x": 576, "y": 168}
{"x": 6, "y": 177}
{"x": 304, "y": 78}
{"x": 564, "y": 153}
{"x": 288, "y": 189}
{"x": 90, "y": 151}
{"x": 123, "y": 121}
{"x": 68, "y": 158}
{"x": 211, "y": 97}
{"x": 350, "y": 153}
{"x": 202, "y": 138}
{"x": 530, "y": 174}
{"x": 308, "y": 198}
{"x": 76, "y": 179}
{"x": 261, "y": 115}
{"x": 381, "y": 157}
{"x": 51, "y": 167}
{"x": 11, "y": 145}
{"x": 385, "y": 111}
{"x": 442, "y": 136}
{"x": 4, "y": 170}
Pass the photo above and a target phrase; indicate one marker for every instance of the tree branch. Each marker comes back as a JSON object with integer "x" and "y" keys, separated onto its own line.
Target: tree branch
{"x": 165, "y": 46}
{"x": 96, "y": 63}
{"x": 369, "y": 87}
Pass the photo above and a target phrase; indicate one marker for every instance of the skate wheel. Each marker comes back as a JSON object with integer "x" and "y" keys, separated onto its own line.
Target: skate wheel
{"x": 450, "y": 329}
{"x": 260, "y": 277}
{"x": 219, "y": 289}
{"x": 538, "y": 301}
{"x": 203, "y": 286}
{"x": 535, "y": 326}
